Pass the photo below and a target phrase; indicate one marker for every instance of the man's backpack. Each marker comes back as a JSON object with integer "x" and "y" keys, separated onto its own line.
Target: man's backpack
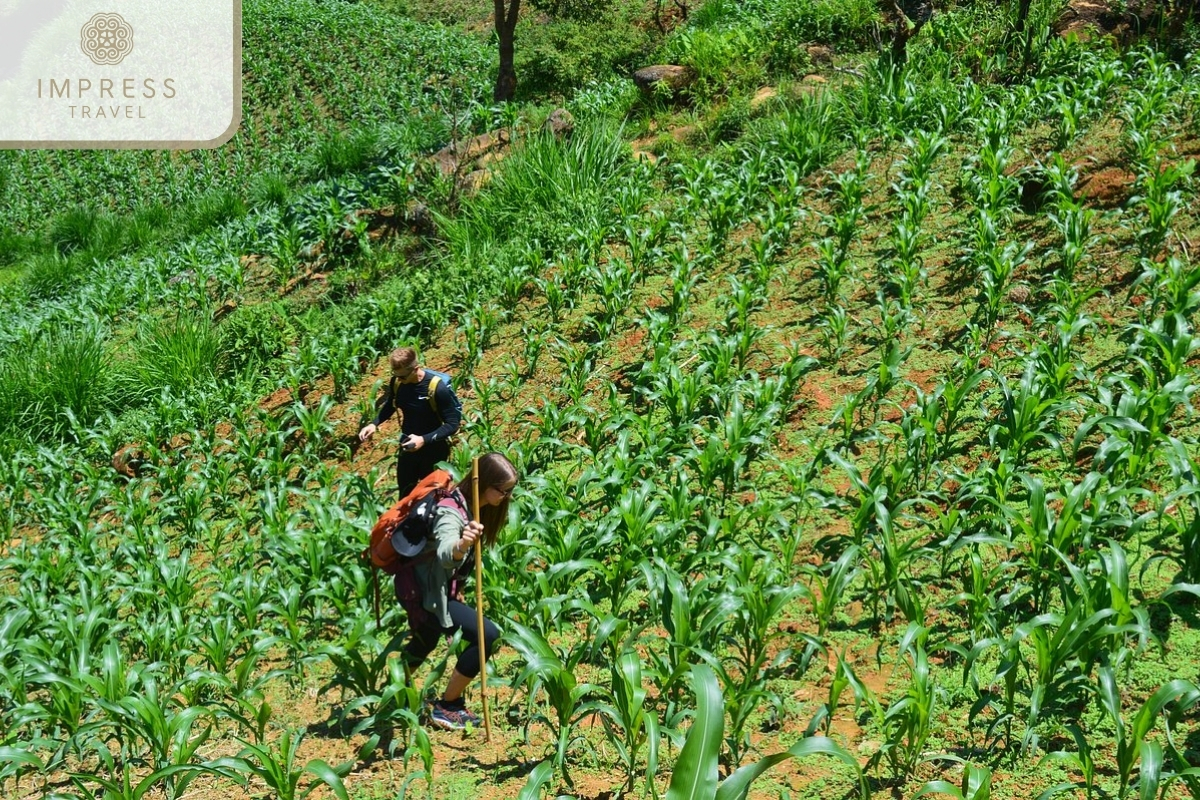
{"x": 438, "y": 378}
{"x": 411, "y": 518}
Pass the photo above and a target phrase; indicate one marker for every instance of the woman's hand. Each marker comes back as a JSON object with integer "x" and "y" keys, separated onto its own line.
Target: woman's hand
{"x": 470, "y": 533}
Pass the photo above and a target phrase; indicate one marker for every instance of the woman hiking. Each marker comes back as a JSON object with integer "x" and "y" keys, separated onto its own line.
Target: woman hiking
{"x": 429, "y": 586}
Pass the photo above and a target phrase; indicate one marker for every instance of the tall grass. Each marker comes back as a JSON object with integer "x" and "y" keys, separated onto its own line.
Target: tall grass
{"x": 49, "y": 274}
{"x": 179, "y": 354}
{"x": 43, "y": 379}
{"x": 547, "y": 190}
{"x": 343, "y": 152}
{"x": 214, "y": 208}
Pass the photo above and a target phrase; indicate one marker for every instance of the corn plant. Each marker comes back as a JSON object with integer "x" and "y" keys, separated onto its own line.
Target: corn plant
{"x": 763, "y": 595}
{"x": 1162, "y": 202}
{"x": 125, "y": 787}
{"x": 827, "y": 595}
{"x": 775, "y": 225}
{"x": 985, "y": 175}
{"x": 1134, "y": 420}
{"x": 1104, "y": 584}
{"x": 1060, "y": 179}
{"x": 1027, "y": 414}
{"x": 988, "y": 589}
{"x": 166, "y": 735}
{"x": 628, "y": 724}
{"x": 836, "y": 332}
{"x": 1133, "y": 744}
{"x": 995, "y": 268}
{"x": 696, "y": 770}
{"x": 1064, "y": 649}
{"x": 693, "y": 618}
{"x": 832, "y": 269}
{"x": 276, "y": 766}
{"x": 1082, "y": 761}
{"x": 684, "y": 277}
{"x": 1074, "y": 222}
{"x": 976, "y": 785}
{"x": 1179, "y": 511}
{"x": 1173, "y": 290}
{"x": 568, "y": 699}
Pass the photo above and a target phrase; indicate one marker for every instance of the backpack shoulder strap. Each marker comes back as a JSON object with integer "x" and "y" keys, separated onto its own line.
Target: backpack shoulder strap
{"x": 433, "y": 385}
{"x": 454, "y": 499}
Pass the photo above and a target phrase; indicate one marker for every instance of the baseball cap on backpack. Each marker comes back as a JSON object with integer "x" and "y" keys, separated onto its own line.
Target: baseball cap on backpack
{"x": 414, "y": 531}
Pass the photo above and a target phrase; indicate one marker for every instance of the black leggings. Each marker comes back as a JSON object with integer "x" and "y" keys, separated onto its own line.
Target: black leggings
{"x": 412, "y": 467}
{"x": 423, "y": 638}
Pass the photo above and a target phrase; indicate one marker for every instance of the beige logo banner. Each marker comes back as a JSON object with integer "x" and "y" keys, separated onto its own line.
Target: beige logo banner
{"x": 125, "y": 74}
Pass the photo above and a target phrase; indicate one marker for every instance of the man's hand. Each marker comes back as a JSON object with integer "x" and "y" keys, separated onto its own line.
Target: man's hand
{"x": 412, "y": 443}
{"x": 367, "y": 432}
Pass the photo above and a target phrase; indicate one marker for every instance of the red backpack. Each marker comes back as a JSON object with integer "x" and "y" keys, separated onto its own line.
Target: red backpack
{"x": 380, "y": 552}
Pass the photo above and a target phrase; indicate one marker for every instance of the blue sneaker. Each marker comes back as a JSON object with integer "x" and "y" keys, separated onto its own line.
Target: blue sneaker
{"x": 452, "y": 716}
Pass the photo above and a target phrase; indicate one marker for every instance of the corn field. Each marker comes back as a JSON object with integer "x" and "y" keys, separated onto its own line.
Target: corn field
{"x": 858, "y": 460}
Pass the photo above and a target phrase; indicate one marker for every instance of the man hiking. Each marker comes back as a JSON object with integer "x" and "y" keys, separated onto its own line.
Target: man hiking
{"x": 430, "y": 414}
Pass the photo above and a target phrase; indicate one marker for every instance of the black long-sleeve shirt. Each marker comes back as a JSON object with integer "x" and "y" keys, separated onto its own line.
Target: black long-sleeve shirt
{"x": 417, "y": 415}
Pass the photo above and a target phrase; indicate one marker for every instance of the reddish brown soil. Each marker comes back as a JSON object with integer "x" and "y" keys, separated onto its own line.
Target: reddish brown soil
{"x": 1107, "y": 188}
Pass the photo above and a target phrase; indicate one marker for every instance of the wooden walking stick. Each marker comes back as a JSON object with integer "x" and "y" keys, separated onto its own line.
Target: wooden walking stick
{"x": 487, "y": 716}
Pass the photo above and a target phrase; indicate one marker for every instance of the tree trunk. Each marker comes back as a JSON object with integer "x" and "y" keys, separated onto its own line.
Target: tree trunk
{"x": 919, "y": 12}
{"x": 1022, "y": 31}
{"x": 506, "y": 25}
{"x": 1022, "y": 15}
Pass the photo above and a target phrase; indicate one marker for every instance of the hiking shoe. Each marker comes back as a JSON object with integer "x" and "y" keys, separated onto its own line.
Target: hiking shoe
{"x": 452, "y": 716}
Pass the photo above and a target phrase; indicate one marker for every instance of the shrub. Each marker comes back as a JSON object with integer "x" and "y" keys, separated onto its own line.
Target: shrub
{"x": 729, "y": 122}
{"x": 562, "y": 55}
{"x": 252, "y": 336}
{"x": 781, "y": 28}
{"x": 795, "y": 22}
{"x": 721, "y": 58}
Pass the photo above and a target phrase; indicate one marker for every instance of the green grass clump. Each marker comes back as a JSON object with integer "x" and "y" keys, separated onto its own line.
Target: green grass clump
{"x": 68, "y": 370}
{"x": 178, "y": 354}
{"x": 253, "y": 336}
{"x": 546, "y": 191}
{"x": 344, "y": 152}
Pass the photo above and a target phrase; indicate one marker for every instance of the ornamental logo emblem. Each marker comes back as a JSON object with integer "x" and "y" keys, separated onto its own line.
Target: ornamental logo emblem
{"x": 106, "y": 39}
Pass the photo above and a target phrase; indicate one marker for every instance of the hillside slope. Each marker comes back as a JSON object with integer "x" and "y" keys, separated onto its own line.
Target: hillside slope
{"x": 881, "y": 411}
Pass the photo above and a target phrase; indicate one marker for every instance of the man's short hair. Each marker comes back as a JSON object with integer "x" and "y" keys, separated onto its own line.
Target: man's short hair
{"x": 403, "y": 358}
